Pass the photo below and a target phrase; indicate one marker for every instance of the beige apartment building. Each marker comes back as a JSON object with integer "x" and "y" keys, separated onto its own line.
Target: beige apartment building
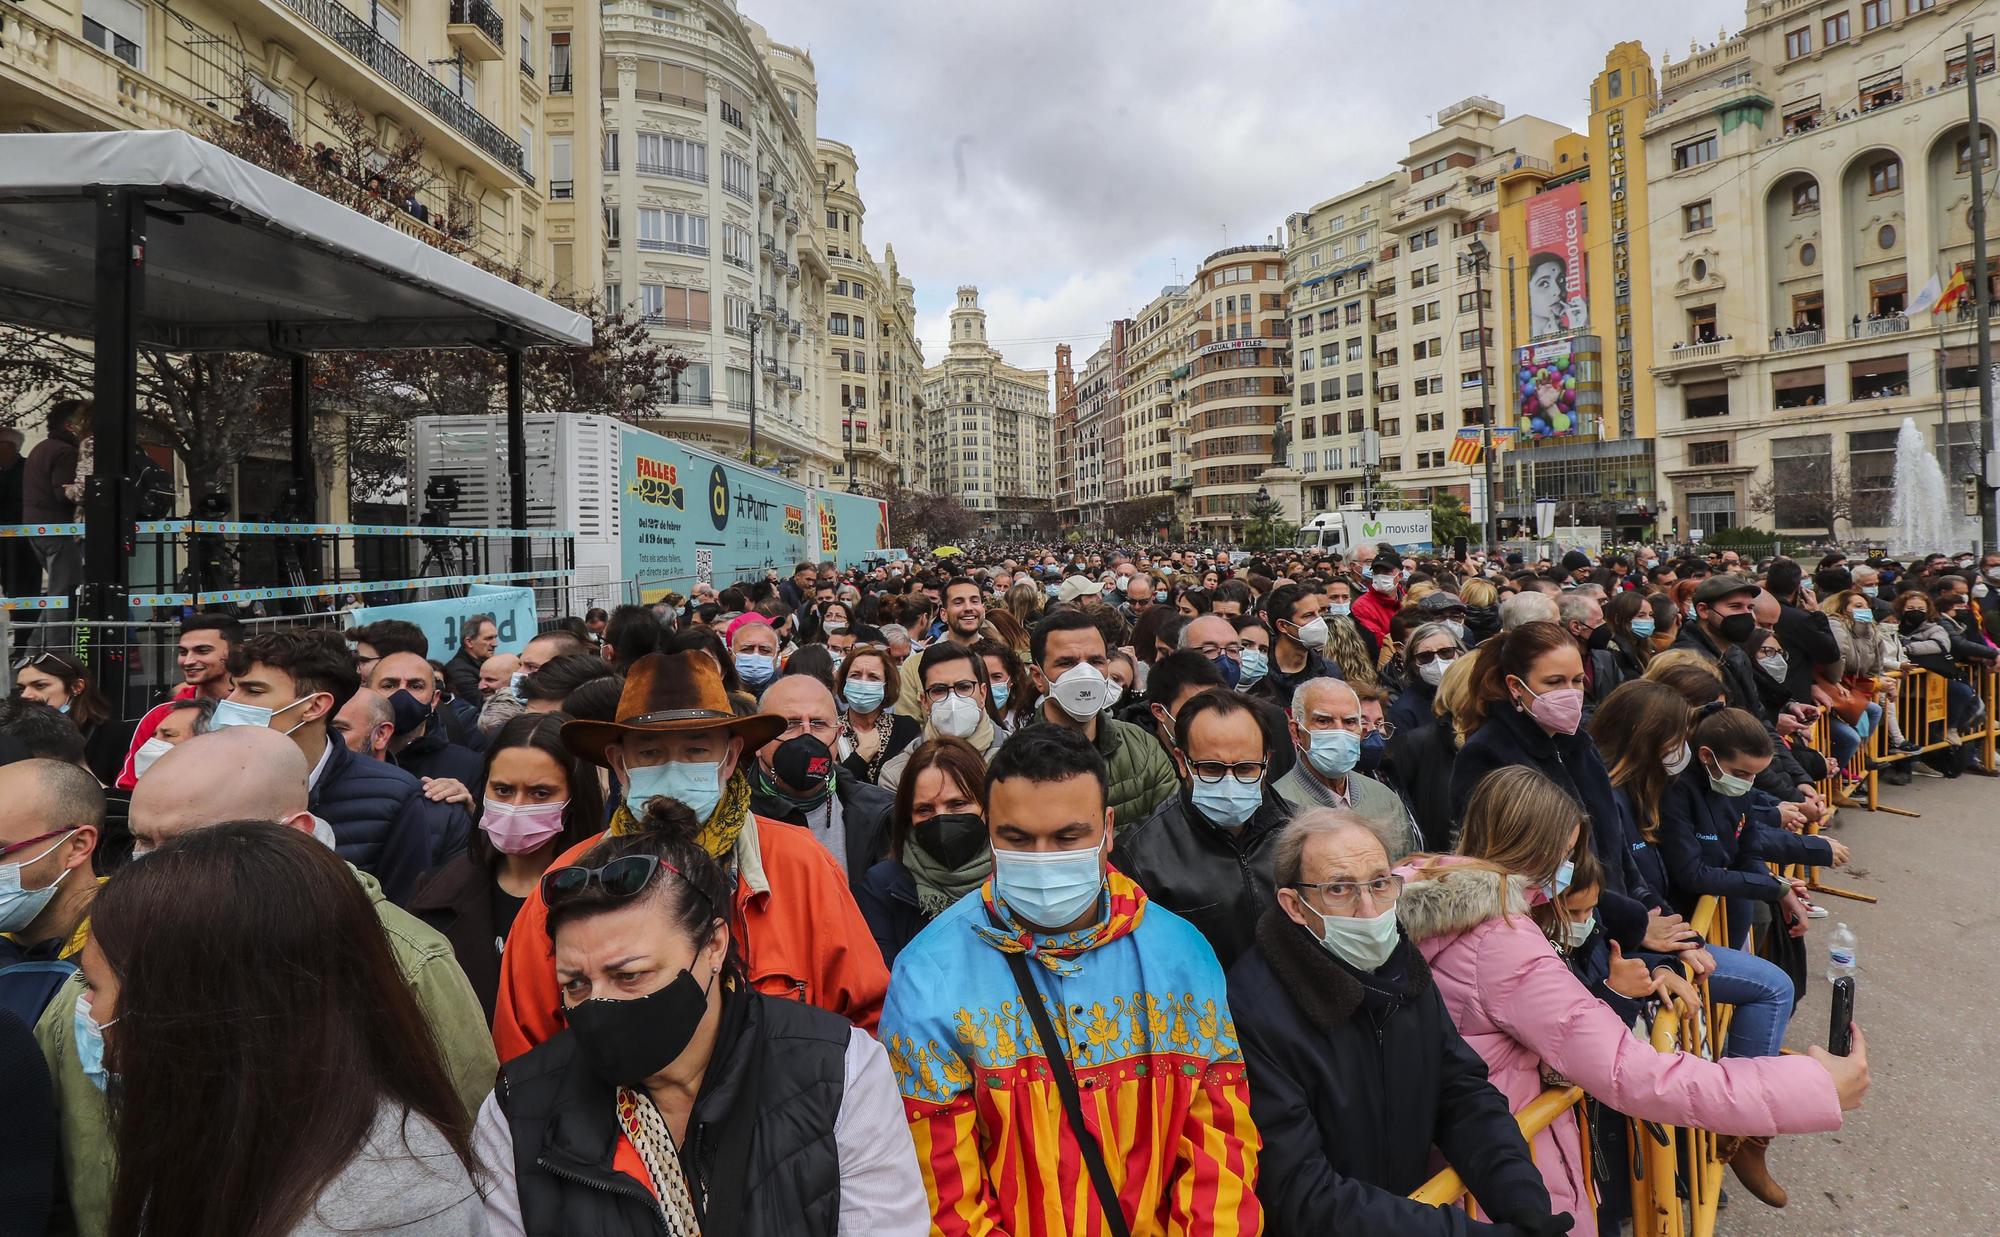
{"x": 712, "y": 213}
{"x": 1237, "y": 381}
{"x": 1330, "y": 286}
{"x": 490, "y": 88}
{"x": 1430, "y": 323}
{"x": 989, "y": 427}
{"x": 1144, "y": 488}
{"x": 1807, "y": 178}
{"x": 1098, "y": 419}
{"x": 901, "y": 380}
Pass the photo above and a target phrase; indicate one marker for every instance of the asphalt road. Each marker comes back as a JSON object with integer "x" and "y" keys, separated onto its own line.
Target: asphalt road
{"x": 1918, "y": 1157}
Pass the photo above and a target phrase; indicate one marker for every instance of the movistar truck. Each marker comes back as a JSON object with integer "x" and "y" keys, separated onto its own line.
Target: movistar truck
{"x": 1344, "y": 531}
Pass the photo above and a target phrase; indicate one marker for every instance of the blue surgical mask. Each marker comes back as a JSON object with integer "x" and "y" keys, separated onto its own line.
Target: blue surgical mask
{"x": 89, "y": 1036}
{"x": 1333, "y": 752}
{"x": 63, "y": 707}
{"x": 236, "y": 713}
{"x": 515, "y": 680}
{"x": 756, "y": 669}
{"x": 1049, "y": 889}
{"x": 862, "y": 696}
{"x": 695, "y": 783}
{"x": 1231, "y": 668}
{"x": 1728, "y": 785}
{"x": 1228, "y": 804}
{"x": 1000, "y": 690}
{"x": 1254, "y": 667}
{"x": 18, "y": 906}
{"x": 1871, "y": 590}
{"x": 1338, "y": 609}
{"x": 1579, "y": 931}
{"x": 1643, "y": 628}
{"x": 1373, "y": 749}
{"x": 1564, "y": 875}
{"x": 1864, "y": 616}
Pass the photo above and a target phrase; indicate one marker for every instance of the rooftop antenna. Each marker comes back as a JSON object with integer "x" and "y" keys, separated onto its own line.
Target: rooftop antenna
{"x": 1225, "y": 236}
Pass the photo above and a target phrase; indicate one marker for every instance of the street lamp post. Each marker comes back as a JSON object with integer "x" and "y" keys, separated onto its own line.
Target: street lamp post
{"x": 847, "y": 426}
{"x": 1477, "y": 257}
{"x": 755, "y": 380}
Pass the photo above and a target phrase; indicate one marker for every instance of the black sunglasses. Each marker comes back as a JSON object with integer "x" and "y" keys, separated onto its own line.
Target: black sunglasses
{"x": 621, "y": 878}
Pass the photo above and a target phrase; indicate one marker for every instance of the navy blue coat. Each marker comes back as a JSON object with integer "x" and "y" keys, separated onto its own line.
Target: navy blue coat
{"x": 431, "y": 754}
{"x": 1510, "y": 737}
{"x": 1714, "y": 845}
{"x": 1645, "y": 870}
{"x": 1412, "y": 709}
{"x": 382, "y": 823}
{"x": 887, "y": 896}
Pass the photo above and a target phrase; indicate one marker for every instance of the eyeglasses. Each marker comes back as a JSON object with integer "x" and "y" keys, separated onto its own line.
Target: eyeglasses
{"x": 936, "y": 692}
{"x": 621, "y": 878}
{"x": 1343, "y": 895}
{"x": 1428, "y": 656}
{"x": 1213, "y": 651}
{"x": 1213, "y": 771}
{"x": 808, "y": 725}
{"x": 41, "y": 659}
{"x": 1385, "y": 728}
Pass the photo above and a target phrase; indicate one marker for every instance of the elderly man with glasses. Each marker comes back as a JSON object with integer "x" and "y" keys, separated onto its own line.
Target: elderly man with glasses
{"x": 1356, "y": 1070}
{"x": 1328, "y": 729}
{"x": 796, "y": 778}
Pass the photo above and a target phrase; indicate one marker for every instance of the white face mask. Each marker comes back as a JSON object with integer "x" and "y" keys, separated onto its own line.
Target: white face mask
{"x": 1432, "y": 671}
{"x": 1313, "y": 634}
{"x": 955, "y": 716}
{"x": 1082, "y": 692}
{"x": 1578, "y": 933}
{"x": 1679, "y": 761}
{"x": 149, "y": 751}
{"x": 1364, "y": 944}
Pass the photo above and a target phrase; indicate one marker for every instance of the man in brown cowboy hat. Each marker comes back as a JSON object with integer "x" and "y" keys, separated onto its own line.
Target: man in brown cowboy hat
{"x": 797, "y": 927}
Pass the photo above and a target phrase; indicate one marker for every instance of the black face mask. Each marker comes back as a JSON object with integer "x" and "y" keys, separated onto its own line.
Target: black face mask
{"x": 1914, "y": 618}
{"x": 953, "y": 839}
{"x": 1600, "y": 637}
{"x": 1737, "y": 627}
{"x": 408, "y": 711}
{"x": 627, "y": 1042}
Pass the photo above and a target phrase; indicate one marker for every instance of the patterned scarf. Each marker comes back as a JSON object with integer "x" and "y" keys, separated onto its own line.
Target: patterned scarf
{"x": 939, "y": 886}
{"x": 654, "y": 1142}
{"x": 1127, "y": 906}
{"x": 718, "y": 834}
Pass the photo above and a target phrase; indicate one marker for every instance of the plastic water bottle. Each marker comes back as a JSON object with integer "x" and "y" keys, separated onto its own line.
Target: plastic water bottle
{"x": 1840, "y": 953}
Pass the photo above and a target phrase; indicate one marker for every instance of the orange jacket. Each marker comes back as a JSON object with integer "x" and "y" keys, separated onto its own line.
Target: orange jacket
{"x": 794, "y": 924}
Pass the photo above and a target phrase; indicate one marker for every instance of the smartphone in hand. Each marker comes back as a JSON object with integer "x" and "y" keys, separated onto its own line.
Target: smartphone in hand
{"x": 1840, "y": 1030}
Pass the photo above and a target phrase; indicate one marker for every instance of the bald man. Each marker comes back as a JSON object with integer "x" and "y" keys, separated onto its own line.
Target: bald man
{"x": 366, "y": 724}
{"x": 249, "y": 773}
{"x": 793, "y": 779}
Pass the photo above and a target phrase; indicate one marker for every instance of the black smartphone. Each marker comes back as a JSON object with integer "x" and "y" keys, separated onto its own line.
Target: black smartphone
{"x": 1840, "y": 1030}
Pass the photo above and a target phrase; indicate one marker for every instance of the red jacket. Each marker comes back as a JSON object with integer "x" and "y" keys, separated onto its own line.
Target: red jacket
{"x": 794, "y": 924}
{"x": 1373, "y": 610}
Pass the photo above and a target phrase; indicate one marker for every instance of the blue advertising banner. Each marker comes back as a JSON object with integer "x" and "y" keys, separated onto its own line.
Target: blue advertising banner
{"x": 687, "y": 517}
{"x": 851, "y": 527}
{"x": 513, "y": 611}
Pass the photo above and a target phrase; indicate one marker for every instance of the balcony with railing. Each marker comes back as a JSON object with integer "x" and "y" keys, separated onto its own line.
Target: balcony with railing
{"x": 476, "y": 29}
{"x": 1798, "y": 337}
{"x": 409, "y": 77}
{"x": 562, "y": 83}
{"x": 1877, "y": 324}
{"x": 670, "y": 171}
{"x": 676, "y": 324}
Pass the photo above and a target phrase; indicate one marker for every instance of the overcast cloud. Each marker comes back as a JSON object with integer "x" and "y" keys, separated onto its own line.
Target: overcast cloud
{"x": 1063, "y": 156}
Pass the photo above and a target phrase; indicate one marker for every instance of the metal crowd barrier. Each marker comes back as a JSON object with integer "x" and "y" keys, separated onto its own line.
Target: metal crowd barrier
{"x": 1448, "y": 1189}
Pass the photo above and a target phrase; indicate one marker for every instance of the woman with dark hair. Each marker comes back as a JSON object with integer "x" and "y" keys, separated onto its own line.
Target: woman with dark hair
{"x": 1191, "y": 602}
{"x": 1631, "y": 621}
{"x": 814, "y": 661}
{"x": 871, "y": 731}
{"x": 545, "y": 690}
{"x": 540, "y": 801}
{"x": 678, "y": 1099}
{"x": 938, "y": 850}
{"x": 1010, "y": 696}
{"x": 295, "y": 1090}
{"x": 61, "y": 682}
{"x": 1666, "y": 625}
{"x": 1146, "y": 633}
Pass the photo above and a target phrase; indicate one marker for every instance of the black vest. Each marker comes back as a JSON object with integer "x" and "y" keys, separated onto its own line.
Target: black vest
{"x": 565, "y": 1127}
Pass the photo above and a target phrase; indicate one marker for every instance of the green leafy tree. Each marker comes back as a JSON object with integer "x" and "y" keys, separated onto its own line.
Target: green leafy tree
{"x": 1450, "y": 521}
{"x": 1268, "y": 529}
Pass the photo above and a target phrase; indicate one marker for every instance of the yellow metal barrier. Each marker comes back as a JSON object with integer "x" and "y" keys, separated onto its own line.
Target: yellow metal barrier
{"x": 1674, "y": 1157}
{"x": 1447, "y": 1189}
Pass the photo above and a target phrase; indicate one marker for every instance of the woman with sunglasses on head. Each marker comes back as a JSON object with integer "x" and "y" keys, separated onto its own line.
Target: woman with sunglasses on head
{"x": 293, "y": 1091}
{"x": 1488, "y": 926}
{"x": 938, "y": 850}
{"x": 678, "y": 1099}
{"x": 59, "y": 681}
{"x": 540, "y": 800}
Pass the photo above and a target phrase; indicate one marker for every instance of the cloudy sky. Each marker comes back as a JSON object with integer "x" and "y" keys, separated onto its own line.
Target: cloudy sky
{"x": 1063, "y": 156}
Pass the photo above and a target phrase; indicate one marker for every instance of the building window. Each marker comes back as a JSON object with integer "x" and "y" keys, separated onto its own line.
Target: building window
{"x": 1871, "y": 467}
{"x": 278, "y": 103}
{"x": 561, "y": 78}
{"x": 737, "y": 177}
{"x": 1712, "y": 513}
{"x": 1695, "y": 153}
{"x": 527, "y": 150}
{"x": 1698, "y": 216}
{"x": 1805, "y": 197}
{"x": 660, "y": 155}
{"x": 1614, "y": 83}
{"x": 1802, "y": 117}
{"x": 1707, "y": 399}
{"x": 1885, "y": 236}
{"x": 1885, "y": 176}
{"x": 562, "y": 171}
{"x": 385, "y": 21}
{"x": 1874, "y": 13}
{"x": 1982, "y": 57}
{"x": 1701, "y": 324}
{"x": 1882, "y": 90}
{"x": 1834, "y": 29}
{"x": 1798, "y": 42}
{"x": 1707, "y": 454}
{"x": 673, "y": 231}
{"x": 1965, "y": 153}
{"x": 525, "y": 25}
{"x": 736, "y": 245}
{"x": 1801, "y": 472}
{"x": 1809, "y": 311}
{"x": 736, "y": 314}
{"x": 1886, "y": 296}
{"x": 1918, "y": 6}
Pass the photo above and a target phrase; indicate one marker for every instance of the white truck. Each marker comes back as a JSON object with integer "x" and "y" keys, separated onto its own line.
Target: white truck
{"x": 1344, "y": 531}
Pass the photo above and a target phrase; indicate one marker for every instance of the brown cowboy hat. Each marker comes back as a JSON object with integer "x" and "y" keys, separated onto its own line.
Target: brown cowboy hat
{"x": 670, "y": 693}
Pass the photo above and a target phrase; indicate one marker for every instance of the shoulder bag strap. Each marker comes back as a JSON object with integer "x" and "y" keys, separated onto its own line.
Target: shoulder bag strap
{"x": 1065, "y": 1077}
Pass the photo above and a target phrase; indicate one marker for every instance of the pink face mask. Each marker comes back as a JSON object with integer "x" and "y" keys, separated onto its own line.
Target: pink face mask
{"x": 1559, "y": 711}
{"x": 516, "y": 829}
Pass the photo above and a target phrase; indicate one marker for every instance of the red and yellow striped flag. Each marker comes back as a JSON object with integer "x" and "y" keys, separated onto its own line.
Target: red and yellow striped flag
{"x": 1466, "y": 448}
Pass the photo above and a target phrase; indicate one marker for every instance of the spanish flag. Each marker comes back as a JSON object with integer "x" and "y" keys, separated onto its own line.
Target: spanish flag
{"x": 1954, "y": 288}
{"x": 1466, "y": 448}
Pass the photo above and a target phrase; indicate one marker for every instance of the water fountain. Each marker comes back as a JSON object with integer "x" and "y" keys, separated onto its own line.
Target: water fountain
{"x": 1920, "y": 517}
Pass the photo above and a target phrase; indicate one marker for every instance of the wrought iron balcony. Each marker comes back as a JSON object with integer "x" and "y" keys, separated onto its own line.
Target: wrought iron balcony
{"x": 479, "y": 15}
{"x": 406, "y": 75}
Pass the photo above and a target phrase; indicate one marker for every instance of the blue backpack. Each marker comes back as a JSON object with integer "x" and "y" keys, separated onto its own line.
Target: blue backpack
{"x": 26, "y": 988}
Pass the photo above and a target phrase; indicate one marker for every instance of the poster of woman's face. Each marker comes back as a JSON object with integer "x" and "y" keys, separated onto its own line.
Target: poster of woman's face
{"x": 1558, "y": 281}
{"x": 1547, "y": 312}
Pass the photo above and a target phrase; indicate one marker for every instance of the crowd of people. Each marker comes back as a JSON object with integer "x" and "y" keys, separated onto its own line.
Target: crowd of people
{"x": 1036, "y": 891}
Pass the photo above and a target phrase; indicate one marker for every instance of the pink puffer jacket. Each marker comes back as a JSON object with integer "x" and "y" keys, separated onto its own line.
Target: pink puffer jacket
{"x": 1518, "y": 1005}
